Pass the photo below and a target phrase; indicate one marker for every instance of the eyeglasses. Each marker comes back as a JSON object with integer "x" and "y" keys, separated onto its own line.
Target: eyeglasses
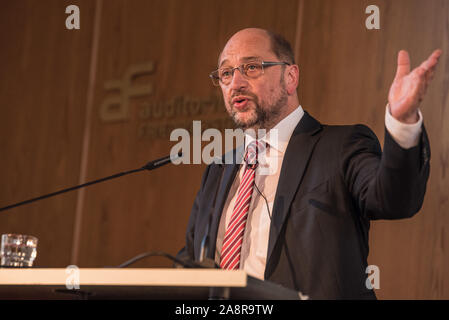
{"x": 251, "y": 70}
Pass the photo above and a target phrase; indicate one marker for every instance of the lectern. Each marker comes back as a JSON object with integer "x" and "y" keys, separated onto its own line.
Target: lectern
{"x": 137, "y": 283}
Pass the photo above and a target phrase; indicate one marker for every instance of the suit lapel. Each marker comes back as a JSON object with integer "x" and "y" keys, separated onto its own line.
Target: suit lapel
{"x": 230, "y": 171}
{"x": 296, "y": 158}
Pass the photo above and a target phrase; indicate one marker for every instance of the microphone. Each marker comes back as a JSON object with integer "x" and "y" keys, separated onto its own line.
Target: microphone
{"x": 162, "y": 161}
{"x": 149, "y": 166}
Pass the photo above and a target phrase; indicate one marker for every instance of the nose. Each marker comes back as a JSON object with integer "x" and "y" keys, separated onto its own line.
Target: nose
{"x": 238, "y": 80}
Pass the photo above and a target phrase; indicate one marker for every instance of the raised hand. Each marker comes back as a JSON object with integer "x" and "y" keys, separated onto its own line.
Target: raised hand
{"x": 408, "y": 88}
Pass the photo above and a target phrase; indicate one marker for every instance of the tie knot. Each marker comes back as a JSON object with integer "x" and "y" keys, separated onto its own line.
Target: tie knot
{"x": 254, "y": 149}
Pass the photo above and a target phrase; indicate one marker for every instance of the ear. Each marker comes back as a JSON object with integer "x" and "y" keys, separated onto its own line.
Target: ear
{"x": 292, "y": 79}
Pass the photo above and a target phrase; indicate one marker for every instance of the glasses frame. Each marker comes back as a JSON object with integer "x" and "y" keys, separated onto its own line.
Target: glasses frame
{"x": 216, "y": 81}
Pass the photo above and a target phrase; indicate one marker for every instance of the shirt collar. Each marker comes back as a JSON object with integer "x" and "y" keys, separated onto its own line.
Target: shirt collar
{"x": 279, "y": 136}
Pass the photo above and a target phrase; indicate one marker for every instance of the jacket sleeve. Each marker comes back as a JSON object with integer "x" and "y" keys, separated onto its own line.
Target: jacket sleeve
{"x": 388, "y": 185}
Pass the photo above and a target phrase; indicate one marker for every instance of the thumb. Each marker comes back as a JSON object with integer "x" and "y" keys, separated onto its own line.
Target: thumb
{"x": 403, "y": 64}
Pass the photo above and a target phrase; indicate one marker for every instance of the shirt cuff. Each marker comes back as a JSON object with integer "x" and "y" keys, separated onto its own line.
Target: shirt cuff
{"x": 406, "y": 135}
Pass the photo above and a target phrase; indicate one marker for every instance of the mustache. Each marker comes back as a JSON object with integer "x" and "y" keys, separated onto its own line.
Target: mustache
{"x": 246, "y": 93}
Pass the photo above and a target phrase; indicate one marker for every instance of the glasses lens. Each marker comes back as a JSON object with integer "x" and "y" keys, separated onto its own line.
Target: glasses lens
{"x": 253, "y": 69}
{"x": 225, "y": 75}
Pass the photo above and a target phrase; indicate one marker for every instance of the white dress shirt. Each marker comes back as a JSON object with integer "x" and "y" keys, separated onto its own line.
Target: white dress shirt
{"x": 255, "y": 240}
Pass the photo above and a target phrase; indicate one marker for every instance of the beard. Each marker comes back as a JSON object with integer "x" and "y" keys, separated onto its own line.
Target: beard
{"x": 260, "y": 115}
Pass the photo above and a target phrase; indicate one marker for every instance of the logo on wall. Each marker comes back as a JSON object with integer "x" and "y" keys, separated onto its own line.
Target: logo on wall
{"x": 116, "y": 108}
{"x": 157, "y": 119}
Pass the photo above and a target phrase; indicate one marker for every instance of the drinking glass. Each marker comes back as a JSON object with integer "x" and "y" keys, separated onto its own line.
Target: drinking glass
{"x": 18, "y": 250}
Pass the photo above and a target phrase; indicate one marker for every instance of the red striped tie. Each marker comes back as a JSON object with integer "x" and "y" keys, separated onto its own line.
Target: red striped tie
{"x": 232, "y": 242}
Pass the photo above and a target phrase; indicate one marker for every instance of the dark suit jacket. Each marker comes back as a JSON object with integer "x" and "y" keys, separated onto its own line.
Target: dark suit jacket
{"x": 333, "y": 181}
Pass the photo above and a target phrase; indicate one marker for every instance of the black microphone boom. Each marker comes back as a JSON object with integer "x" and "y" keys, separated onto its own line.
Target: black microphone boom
{"x": 149, "y": 166}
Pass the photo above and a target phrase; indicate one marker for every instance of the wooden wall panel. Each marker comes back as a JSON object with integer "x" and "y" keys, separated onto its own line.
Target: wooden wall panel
{"x": 346, "y": 72}
{"x": 44, "y": 69}
{"x": 149, "y": 211}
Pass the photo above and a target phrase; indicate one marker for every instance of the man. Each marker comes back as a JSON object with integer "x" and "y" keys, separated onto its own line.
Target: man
{"x": 305, "y": 225}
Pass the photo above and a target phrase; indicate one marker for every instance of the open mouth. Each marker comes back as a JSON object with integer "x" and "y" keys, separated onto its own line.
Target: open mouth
{"x": 240, "y": 102}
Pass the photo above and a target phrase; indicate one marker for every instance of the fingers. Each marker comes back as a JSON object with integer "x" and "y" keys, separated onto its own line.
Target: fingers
{"x": 403, "y": 64}
{"x": 425, "y": 73}
{"x": 437, "y": 53}
{"x": 432, "y": 61}
{"x": 426, "y": 70}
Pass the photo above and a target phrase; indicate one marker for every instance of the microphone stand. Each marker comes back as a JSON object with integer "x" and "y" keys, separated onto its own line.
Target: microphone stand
{"x": 149, "y": 166}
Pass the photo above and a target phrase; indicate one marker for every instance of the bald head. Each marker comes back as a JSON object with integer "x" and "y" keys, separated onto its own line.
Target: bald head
{"x": 275, "y": 43}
